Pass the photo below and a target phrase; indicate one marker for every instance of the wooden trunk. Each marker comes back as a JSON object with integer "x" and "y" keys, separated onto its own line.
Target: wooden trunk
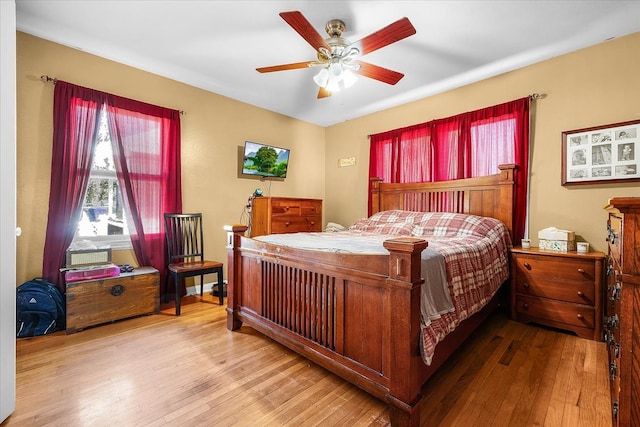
{"x": 97, "y": 301}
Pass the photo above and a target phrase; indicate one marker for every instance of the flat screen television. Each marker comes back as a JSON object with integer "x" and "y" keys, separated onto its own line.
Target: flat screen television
{"x": 265, "y": 161}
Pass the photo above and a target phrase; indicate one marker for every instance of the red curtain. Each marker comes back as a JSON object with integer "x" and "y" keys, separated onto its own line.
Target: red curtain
{"x": 146, "y": 152}
{"x": 146, "y": 148}
{"x": 75, "y": 117}
{"x": 462, "y": 146}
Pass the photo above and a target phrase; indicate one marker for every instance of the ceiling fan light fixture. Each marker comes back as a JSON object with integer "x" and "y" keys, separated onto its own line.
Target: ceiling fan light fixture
{"x": 322, "y": 77}
{"x": 335, "y": 75}
{"x": 334, "y": 83}
{"x": 349, "y": 78}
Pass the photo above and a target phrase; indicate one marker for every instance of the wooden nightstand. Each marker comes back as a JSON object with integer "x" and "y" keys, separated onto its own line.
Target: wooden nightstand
{"x": 562, "y": 290}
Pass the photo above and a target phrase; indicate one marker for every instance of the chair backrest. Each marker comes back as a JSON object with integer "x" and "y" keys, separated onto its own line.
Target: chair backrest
{"x": 185, "y": 241}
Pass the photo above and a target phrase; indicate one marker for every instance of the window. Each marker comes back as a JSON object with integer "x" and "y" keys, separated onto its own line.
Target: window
{"x": 466, "y": 145}
{"x": 76, "y": 113}
{"x": 103, "y": 220}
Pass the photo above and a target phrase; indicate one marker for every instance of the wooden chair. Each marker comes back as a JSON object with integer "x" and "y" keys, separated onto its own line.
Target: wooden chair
{"x": 185, "y": 247}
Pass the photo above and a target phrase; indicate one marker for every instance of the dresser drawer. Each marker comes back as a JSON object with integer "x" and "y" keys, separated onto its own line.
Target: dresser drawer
{"x": 555, "y": 267}
{"x": 557, "y": 311}
{"x": 296, "y": 224}
{"x": 580, "y": 292}
{"x": 285, "y": 207}
{"x": 309, "y": 207}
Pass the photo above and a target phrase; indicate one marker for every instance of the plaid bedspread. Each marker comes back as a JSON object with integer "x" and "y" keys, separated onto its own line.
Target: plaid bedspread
{"x": 475, "y": 251}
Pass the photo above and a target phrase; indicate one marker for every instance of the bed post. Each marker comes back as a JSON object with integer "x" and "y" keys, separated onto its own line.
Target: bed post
{"x": 375, "y": 195}
{"x": 234, "y": 234}
{"x": 405, "y": 282}
{"x": 505, "y": 200}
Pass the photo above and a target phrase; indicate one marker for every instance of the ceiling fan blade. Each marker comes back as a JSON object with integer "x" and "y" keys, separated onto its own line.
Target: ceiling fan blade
{"x": 378, "y": 73}
{"x": 398, "y": 30}
{"x": 323, "y": 93}
{"x": 293, "y": 66}
{"x": 298, "y": 22}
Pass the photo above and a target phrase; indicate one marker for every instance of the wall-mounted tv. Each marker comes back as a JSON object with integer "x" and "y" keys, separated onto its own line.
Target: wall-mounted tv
{"x": 264, "y": 161}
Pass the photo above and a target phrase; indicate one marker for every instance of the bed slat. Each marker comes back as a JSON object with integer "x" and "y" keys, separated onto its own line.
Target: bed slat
{"x": 301, "y": 301}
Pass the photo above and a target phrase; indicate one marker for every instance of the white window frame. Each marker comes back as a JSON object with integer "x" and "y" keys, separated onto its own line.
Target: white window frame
{"x": 114, "y": 241}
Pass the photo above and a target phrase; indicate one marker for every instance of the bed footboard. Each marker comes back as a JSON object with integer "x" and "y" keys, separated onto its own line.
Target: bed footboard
{"x": 356, "y": 315}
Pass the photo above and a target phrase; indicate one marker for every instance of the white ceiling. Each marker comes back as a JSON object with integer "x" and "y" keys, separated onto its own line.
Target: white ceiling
{"x": 217, "y": 45}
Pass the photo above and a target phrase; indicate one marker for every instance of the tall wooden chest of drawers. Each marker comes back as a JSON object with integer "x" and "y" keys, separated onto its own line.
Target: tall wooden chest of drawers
{"x": 277, "y": 215}
{"x": 622, "y": 326}
{"x": 562, "y": 290}
{"x": 96, "y": 301}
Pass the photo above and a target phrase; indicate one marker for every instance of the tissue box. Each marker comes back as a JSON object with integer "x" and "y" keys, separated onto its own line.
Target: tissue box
{"x": 556, "y": 240}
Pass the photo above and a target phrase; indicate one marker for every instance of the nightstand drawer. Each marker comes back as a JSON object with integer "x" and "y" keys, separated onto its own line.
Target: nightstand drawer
{"x": 582, "y": 292}
{"x": 564, "y": 290}
{"x": 556, "y": 267}
{"x": 570, "y": 314}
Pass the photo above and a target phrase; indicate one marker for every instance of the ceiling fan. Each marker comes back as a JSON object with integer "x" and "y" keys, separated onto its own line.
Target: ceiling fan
{"x": 337, "y": 57}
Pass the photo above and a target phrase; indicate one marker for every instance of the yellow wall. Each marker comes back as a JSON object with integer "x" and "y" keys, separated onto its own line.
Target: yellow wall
{"x": 595, "y": 86}
{"x": 212, "y": 129}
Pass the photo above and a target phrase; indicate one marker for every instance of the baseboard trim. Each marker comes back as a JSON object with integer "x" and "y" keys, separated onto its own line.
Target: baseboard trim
{"x": 195, "y": 290}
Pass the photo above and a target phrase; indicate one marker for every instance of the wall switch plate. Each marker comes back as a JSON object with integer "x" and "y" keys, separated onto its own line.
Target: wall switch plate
{"x": 347, "y": 161}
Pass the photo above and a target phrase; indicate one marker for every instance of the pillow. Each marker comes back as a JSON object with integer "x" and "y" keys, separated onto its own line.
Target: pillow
{"x": 448, "y": 224}
{"x": 392, "y": 228}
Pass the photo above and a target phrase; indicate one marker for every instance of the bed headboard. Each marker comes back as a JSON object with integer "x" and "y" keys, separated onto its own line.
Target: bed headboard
{"x": 490, "y": 196}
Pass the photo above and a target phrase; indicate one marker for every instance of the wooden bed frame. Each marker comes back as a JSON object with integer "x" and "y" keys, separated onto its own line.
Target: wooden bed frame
{"x": 359, "y": 315}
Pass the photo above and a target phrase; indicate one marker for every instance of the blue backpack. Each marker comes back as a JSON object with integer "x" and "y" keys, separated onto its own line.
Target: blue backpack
{"x": 40, "y": 308}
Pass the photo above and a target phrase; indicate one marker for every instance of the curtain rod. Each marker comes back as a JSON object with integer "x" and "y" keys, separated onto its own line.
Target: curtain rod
{"x": 54, "y": 80}
{"x": 532, "y": 97}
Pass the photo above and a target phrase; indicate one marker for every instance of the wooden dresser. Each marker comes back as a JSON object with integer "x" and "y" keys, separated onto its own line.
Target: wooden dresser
{"x": 562, "y": 290}
{"x": 277, "y": 215}
{"x": 96, "y": 301}
{"x": 622, "y": 321}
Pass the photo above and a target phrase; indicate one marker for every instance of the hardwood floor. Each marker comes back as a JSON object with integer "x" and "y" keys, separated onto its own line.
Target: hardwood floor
{"x": 189, "y": 370}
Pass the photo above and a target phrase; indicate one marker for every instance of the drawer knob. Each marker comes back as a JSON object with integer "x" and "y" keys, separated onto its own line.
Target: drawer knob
{"x": 580, "y": 316}
{"x": 525, "y": 305}
{"x": 527, "y": 266}
{"x": 525, "y": 285}
{"x": 581, "y": 270}
{"x": 287, "y": 223}
{"x": 117, "y": 290}
{"x": 580, "y": 293}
